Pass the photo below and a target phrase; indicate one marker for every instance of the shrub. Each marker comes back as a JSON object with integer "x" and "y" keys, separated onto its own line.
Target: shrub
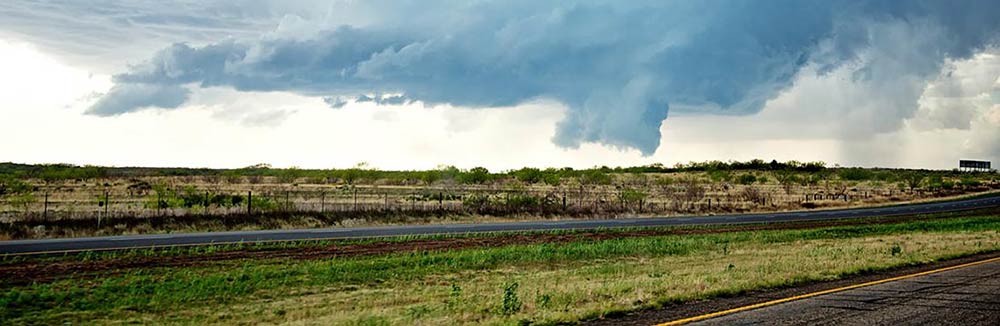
{"x": 528, "y": 175}
{"x": 552, "y": 178}
{"x": 511, "y": 302}
{"x": 522, "y": 201}
{"x": 719, "y": 176}
{"x": 9, "y": 186}
{"x": 752, "y": 194}
{"x": 855, "y": 174}
{"x": 476, "y": 175}
{"x": 913, "y": 180}
{"x": 289, "y": 175}
{"x": 632, "y": 196}
{"x": 595, "y": 177}
{"x": 746, "y": 179}
{"x": 970, "y": 182}
{"x": 476, "y": 201}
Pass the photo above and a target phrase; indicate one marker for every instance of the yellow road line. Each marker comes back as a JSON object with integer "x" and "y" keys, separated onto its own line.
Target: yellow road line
{"x": 813, "y": 294}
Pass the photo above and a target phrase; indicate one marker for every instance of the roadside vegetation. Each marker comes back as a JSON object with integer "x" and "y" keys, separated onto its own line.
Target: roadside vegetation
{"x": 541, "y": 283}
{"x": 44, "y": 201}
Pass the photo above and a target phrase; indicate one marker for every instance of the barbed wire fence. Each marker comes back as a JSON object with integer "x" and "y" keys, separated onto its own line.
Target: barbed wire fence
{"x": 110, "y": 203}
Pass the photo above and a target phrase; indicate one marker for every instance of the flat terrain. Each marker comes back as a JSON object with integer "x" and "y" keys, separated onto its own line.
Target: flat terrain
{"x": 60, "y": 201}
{"x": 141, "y": 241}
{"x": 567, "y": 277}
{"x": 965, "y": 296}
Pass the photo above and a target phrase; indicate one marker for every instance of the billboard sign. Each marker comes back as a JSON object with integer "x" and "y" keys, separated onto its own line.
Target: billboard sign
{"x": 974, "y": 165}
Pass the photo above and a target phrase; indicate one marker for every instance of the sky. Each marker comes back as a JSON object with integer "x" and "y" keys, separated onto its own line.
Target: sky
{"x": 500, "y": 84}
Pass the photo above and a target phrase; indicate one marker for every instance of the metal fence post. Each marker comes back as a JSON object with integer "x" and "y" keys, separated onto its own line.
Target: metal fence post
{"x": 45, "y": 207}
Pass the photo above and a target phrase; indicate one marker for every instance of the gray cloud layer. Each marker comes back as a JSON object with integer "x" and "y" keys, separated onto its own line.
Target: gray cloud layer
{"x": 617, "y": 66}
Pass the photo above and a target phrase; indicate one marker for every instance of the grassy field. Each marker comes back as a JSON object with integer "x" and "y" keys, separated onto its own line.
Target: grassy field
{"x": 513, "y": 284}
{"x": 45, "y": 201}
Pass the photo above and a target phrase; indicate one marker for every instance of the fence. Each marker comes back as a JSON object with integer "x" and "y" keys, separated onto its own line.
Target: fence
{"x": 116, "y": 201}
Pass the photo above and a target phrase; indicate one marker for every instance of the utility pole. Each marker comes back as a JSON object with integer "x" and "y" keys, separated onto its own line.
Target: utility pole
{"x": 249, "y": 202}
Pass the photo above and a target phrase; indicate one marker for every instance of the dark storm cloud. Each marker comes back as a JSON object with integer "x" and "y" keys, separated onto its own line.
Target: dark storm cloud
{"x": 618, "y": 66}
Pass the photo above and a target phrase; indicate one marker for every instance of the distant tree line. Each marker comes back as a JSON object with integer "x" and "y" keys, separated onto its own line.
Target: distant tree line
{"x": 361, "y": 173}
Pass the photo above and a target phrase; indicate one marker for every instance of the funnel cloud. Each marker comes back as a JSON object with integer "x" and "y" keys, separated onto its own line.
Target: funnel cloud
{"x": 618, "y": 67}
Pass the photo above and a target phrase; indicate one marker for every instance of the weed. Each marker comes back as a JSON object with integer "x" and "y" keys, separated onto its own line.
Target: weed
{"x": 455, "y": 297}
{"x": 543, "y": 300}
{"x": 895, "y": 250}
{"x": 511, "y": 303}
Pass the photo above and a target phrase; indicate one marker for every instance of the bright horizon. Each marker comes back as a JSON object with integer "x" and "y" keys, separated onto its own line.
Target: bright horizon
{"x": 220, "y": 85}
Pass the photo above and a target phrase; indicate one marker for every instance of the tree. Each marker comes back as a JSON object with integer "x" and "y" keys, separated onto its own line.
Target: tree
{"x": 693, "y": 190}
{"x": 528, "y": 175}
{"x": 913, "y": 180}
{"x": 786, "y": 179}
{"x": 289, "y": 175}
{"x": 476, "y": 175}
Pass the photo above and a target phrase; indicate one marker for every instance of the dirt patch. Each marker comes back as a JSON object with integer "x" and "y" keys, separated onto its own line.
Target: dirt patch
{"x": 42, "y": 271}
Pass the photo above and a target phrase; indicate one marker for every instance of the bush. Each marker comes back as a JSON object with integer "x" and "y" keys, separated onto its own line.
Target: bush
{"x": 719, "y": 176}
{"x": 970, "y": 182}
{"x": 632, "y": 196}
{"x": 552, "y": 178}
{"x": 528, "y": 175}
{"x": 595, "y": 177}
{"x": 476, "y": 175}
{"x": 522, "y": 201}
{"x": 746, "y": 179}
{"x": 476, "y": 201}
{"x": 855, "y": 174}
{"x": 11, "y": 186}
{"x": 511, "y": 302}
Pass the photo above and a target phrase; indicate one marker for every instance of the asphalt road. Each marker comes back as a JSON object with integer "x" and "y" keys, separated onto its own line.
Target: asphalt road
{"x": 964, "y": 296}
{"x": 155, "y": 240}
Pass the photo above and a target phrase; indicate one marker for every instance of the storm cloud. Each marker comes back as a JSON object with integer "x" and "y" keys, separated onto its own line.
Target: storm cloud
{"x": 619, "y": 67}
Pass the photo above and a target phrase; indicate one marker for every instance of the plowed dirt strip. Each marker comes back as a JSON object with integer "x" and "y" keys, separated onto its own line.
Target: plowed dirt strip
{"x": 42, "y": 271}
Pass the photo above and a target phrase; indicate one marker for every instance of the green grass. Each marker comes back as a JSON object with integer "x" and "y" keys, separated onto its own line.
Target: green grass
{"x": 417, "y": 286}
{"x": 202, "y": 250}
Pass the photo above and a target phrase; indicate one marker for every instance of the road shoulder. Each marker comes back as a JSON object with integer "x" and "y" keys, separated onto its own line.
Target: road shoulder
{"x": 700, "y": 307}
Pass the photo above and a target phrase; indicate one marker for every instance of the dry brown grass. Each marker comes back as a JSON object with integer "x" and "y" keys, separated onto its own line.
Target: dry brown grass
{"x": 588, "y": 288}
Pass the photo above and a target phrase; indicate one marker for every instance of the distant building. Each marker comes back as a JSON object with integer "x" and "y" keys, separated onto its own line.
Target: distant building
{"x": 974, "y": 166}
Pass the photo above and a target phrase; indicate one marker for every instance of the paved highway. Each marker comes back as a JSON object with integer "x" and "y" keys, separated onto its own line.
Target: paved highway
{"x": 964, "y": 296}
{"x": 156, "y": 240}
